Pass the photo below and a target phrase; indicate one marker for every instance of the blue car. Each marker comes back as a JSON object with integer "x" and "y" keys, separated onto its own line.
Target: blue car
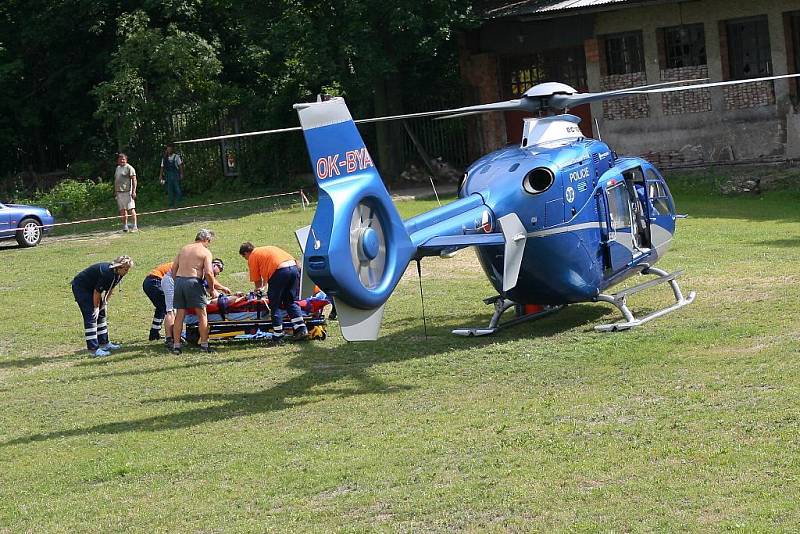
{"x": 26, "y": 224}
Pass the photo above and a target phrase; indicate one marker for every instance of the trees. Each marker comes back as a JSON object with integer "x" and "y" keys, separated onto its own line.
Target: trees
{"x": 53, "y": 53}
{"x": 83, "y": 78}
{"x": 381, "y": 55}
{"x": 155, "y": 72}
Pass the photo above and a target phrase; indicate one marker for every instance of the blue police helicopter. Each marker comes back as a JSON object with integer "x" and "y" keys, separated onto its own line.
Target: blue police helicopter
{"x": 556, "y": 220}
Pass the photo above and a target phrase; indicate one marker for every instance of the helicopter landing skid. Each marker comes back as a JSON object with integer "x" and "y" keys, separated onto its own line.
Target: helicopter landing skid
{"x": 500, "y": 307}
{"x": 620, "y": 300}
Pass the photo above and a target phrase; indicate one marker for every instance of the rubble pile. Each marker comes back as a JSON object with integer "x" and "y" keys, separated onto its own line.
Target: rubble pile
{"x": 444, "y": 172}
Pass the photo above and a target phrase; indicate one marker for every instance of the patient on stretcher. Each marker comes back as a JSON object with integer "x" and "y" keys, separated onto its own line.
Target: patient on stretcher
{"x": 253, "y": 307}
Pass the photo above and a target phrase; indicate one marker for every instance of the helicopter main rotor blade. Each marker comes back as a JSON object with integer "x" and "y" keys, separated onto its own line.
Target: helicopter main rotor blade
{"x": 568, "y": 101}
{"x": 529, "y": 104}
{"x": 533, "y": 104}
{"x": 521, "y": 104}
{"x": 656, "y": 85}
{"x": 235, "y": 136}
{"x": 718, "y": 84}
{"x": 526, "y": 103}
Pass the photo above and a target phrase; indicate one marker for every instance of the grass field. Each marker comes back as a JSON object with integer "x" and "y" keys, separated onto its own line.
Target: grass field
{"x": 688, "y": 423}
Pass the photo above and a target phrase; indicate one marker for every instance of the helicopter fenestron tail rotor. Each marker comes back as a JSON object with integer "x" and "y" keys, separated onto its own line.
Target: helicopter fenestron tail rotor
{"x": 367, "y": 245}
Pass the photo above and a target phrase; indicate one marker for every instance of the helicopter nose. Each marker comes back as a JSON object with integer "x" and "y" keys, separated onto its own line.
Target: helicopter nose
{"x": 369, "y": 243}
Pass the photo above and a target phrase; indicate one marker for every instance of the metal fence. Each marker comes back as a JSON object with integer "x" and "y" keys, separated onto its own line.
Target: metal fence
{"x": 445, "y": 139}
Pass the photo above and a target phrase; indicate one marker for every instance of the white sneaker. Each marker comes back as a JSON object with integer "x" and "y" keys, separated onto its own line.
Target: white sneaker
{"x": 134, "y": 229}
{"x": 110, "y": 346}
{"x": 99, "y": 353}
{"x": 125, "y": 228}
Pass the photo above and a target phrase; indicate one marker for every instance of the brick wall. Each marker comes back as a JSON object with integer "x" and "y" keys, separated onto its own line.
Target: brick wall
{"x": 749, "y": 95}
{"x": 698, "y": 101}
{"x": 632, "y": 107}
{"x": 481, "y": 73}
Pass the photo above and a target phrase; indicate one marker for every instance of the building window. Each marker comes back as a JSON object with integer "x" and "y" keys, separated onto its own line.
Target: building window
{"x": 623, "y": 53}
{"x": 684, "y": 46}
{"x": 794, "y": 38}
{"x": 565, "y": 65}
{"x": 749, "y": 54}
{"x": 792, "y": 29}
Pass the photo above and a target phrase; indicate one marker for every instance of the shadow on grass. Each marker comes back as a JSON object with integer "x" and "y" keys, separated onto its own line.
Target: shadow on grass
{"x": 320, "y": 367}
{"x": 39, "y": 360}
{"x": 128, "y": 351}
{"x": 781, "y": 243}
{"x": 21, "y": 363}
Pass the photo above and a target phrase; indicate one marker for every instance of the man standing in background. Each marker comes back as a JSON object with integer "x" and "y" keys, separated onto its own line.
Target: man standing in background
{"x": 125, "y": 192}
{"x": 171, "y": 173}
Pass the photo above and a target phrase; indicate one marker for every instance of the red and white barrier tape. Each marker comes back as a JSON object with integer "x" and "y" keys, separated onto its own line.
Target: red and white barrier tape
{"x": 303, "y": 200}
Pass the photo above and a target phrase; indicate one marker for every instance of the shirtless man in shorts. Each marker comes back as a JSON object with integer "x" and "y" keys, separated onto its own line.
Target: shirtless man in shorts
{"x": 192, "y": 264}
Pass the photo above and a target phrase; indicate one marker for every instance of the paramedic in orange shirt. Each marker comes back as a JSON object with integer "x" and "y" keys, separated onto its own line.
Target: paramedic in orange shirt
{"x": 277, "y": 269}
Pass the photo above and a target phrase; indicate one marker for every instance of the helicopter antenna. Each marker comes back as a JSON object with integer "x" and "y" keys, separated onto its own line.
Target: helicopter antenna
{"x": 434, "y": 191}
{"x": 597, "y": 128}
{"x": 422, "y": 298}
{"x": 425, "y": 157}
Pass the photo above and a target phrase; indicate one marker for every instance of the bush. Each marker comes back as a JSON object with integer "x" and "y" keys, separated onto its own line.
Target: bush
{"x": 77, "y": 199}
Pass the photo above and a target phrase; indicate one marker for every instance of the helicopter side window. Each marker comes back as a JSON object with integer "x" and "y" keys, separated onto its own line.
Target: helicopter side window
{"x": 619, "y": 208}
{"x": 659, "y": 200}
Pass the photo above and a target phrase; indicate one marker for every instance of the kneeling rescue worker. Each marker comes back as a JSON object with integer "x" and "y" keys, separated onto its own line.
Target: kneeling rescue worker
{"x": 277, "y": 269}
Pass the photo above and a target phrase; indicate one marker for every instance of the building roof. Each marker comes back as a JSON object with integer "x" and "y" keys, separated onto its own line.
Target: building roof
{"x": 555, "y": 8}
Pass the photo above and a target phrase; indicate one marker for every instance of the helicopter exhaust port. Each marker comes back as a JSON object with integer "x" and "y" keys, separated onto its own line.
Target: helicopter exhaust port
{"x": 538, "y": 180}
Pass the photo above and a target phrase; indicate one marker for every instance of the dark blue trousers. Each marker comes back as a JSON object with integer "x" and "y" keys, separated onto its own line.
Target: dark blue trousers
{"x": 152, "y": 288}
{"x": 283, "y": 290}
{"x": 174, "y": 194}
{"x": 95, "y": 329}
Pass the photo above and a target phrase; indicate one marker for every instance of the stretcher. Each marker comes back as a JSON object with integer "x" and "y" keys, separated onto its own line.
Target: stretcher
{"x": 248, "y": 317}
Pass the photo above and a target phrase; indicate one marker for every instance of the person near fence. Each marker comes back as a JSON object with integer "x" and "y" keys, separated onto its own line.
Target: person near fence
{"x": 171, "y": 174}
{"x": 275, "y": 268}
{"x": 92, "y": 287}
{"x": 125, "y": 192}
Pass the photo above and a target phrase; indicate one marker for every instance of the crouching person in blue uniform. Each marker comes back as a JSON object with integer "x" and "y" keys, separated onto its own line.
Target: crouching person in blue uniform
{"x": 92, "y": 287}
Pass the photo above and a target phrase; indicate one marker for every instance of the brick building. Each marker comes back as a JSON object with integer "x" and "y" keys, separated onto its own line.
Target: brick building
{"x": 600, "y": 45}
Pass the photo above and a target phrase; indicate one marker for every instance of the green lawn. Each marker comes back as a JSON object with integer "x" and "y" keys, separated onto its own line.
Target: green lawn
{"x": 688, "y": 423}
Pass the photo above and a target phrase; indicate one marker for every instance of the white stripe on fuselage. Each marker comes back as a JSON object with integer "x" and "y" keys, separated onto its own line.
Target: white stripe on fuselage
{"x": 563, "y": 229}
{"x": 654, "y": 228}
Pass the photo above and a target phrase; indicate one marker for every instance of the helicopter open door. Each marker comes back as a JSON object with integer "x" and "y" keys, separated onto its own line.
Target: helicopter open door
{"x": 621, "y": 241}
{"x": 629, "y": 233}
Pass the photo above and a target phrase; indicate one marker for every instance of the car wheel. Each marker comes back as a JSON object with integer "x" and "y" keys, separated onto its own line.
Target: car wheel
{"x": 29, "y": 232}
